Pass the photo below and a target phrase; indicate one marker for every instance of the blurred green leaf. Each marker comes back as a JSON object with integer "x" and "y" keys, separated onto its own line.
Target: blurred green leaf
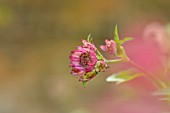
{"x": 125, "y": 40}
{"x": 166, "y": 99}
{"x": 89, "y": 38}
{"x": 116, "y": 36}
{"x": 84, "y": 84}
{"x": 120, "y": 50}
{"x": 121, "y": 53}
{"x": 163, "y": 92}
{"x": 123, "y": 76}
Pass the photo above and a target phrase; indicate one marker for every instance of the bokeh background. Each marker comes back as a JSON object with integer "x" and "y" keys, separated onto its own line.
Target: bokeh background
{"x": 36, "y": 37}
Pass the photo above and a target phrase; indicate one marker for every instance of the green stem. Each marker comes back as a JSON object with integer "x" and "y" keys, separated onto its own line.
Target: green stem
{"x": 158, "y": 83}
{"x": 98, "y": 52}
{"x": 114, "y": 61}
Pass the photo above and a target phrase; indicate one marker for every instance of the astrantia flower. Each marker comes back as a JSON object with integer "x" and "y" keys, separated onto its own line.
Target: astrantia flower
{"x": 82, "y": 60}
{"x": 85, "y": 62}
{"x": 110, "y": 47}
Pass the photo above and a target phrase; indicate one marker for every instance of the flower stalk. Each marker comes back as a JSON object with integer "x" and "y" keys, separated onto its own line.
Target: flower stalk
{"x": 114, "y": 61}
{"x": 156, "y": 82}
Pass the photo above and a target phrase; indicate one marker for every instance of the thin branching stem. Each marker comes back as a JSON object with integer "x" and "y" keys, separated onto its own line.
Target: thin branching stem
{"x": 157, "y": 83}
{"x": 114, "y": 61}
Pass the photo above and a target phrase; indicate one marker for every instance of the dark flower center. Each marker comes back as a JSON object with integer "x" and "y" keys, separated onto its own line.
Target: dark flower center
{"x": 84, "y": 59}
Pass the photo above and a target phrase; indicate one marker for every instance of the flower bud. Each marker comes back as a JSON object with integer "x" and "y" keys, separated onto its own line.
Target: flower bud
{"x": 110, "y": 47}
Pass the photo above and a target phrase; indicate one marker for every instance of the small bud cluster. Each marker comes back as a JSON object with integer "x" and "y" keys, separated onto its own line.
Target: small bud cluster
{"x": 110, "y": 46}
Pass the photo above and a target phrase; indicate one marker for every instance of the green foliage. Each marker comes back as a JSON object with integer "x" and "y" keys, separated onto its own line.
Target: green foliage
{"x": 125, "y": 40}
{"x": 123, "y": 76}
{"x": 116, "y": 35}
{"x": 88, "y": 76}
{"x": 84, "y": 83}
{"x": 116, "y": 39}
{"x": 121, "y": 53}
{"x": 163, "y": 92}
{"x": 89, "y": 38}
{"x": 120, "y": 50}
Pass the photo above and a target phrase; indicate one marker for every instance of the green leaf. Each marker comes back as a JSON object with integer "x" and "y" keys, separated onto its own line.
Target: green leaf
{"x": 84, "y": 84}
{"x": 123, "y": 76}
{"x": 125, "y": 40}
{"x": 165, "y": 99}
{"x": 121, "y": 53}
{"x": 163, "y": 92}
{"x": 89, "y": 38}
{"x": 116, "y": 36}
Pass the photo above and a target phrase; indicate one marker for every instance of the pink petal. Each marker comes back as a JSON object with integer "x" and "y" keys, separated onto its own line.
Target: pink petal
{"x": 103, "y": 47}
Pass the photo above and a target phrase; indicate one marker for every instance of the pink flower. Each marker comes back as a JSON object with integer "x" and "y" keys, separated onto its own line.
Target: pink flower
{"x": 88, "y": 45}
{"x": 110, "y": 46}
{"x": 83, "y": 60}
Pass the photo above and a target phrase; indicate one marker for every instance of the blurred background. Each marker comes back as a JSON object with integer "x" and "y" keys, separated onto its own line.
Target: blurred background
{"x": 36, "y": 37}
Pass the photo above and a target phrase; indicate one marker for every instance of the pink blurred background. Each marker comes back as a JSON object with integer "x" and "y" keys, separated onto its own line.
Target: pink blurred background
{"x": 36, "y": 37}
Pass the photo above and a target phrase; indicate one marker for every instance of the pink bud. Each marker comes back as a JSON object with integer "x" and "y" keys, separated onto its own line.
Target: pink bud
{"x": 89, "y": 45}
{"x": 110, "y": 46}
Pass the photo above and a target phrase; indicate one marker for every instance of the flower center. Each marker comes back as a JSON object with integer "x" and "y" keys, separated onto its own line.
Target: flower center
{"x": 84, "y": 59}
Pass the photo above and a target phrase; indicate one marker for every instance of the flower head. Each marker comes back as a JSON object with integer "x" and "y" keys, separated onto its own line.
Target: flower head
{"x": 82, "y": 60}
{"x": 85, "y": 62}
{"x": 110, "y": 46}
